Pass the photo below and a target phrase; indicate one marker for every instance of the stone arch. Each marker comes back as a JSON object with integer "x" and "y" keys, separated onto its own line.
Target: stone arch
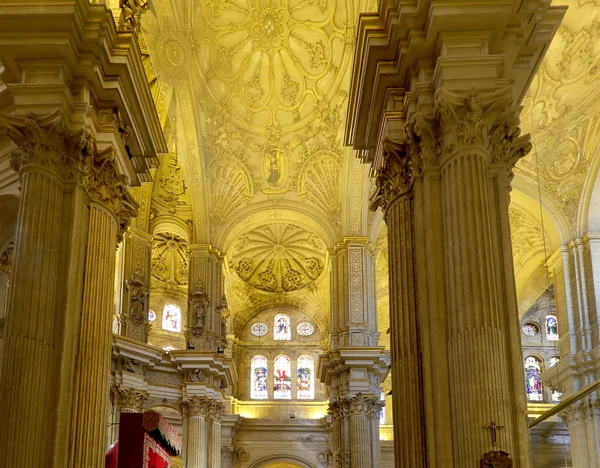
{"x": 276, "y": 461}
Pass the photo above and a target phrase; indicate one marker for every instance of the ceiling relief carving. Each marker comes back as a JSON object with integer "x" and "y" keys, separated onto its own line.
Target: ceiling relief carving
{"x": 170, "y": 262}
{"x": 264, "y": 83}
{"x": 527, "y": 237}
{"x": 561, "y": 110}
{"x": 279, "y": 258}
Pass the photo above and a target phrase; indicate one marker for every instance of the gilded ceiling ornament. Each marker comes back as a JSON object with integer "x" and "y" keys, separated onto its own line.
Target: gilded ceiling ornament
{"x": 131, "y": 13}
{"x": 170, "y": 262}
{"x": 174, "y": 54}
{"x": 279, "y": 258}
{"x": 526, "y": 234}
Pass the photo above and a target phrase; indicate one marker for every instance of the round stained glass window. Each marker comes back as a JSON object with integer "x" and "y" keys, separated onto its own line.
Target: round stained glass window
{"x": 151, "y": 315}
{"x": 530, "y": 329}
{"x": 305, "y": 329}
{"x": 259, "y": 329}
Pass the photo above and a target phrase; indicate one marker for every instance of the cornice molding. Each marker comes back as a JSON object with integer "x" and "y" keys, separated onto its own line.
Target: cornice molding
{"x": 417, "y": 47}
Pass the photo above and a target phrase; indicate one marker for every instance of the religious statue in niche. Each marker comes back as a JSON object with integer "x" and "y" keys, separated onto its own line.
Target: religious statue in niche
{"x": 274, "y": 169}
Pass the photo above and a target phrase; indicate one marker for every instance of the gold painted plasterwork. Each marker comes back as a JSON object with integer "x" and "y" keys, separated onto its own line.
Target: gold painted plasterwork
{"x": 279, "y": 257}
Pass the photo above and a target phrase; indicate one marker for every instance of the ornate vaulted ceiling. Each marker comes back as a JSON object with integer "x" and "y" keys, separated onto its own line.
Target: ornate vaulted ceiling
{"x": 561, "y": 112}
{"x": 256, "y": 94}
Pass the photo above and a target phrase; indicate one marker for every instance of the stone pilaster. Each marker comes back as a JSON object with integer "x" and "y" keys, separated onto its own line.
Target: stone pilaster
{"x": 49, "y": 158}
{"x": 110, "y": 209}
{"x": 208, "y": 310}
{"x": 228, "y": 457}
{"x": 203, "y": 438}
{"x": 134, "y": 283}
{"x": 576, "y": 288}
{"x": 354, "y": 312}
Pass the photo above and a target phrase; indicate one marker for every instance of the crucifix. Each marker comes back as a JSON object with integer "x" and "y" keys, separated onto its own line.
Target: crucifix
{"x": 494, "y": 427}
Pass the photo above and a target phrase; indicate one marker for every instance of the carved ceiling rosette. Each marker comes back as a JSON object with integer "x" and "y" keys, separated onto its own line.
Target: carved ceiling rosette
{"x": 279, "y": 257}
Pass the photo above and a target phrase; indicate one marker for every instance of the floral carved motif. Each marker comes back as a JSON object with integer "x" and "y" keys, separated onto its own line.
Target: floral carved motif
{"x": 47, "y": 142}
{"x": 396, "y": 176}
{"x": 487, "y": 120}
{"x": 129, "y": 398}
{"x": 204, "y": 407}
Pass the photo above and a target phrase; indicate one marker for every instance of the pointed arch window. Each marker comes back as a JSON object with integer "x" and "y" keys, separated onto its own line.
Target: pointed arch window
{"x": 282, "y": 329}
{"x": 306, "y": 370}
{"x": 551, "y": 327}
{"x": 171, "y": 319}
{"x": 258, "y": 376}
{"x": 533, "y": 380}
{"x": 282, "y": 378}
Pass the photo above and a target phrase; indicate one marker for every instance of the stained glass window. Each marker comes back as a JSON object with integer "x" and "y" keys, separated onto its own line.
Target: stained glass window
{"x": 533, "y": 381}
{"x": 282, "y": 329}
{"x": 530, "y": 329}
{"x": 282, "y": 378}
{"x": 551, "y": 327}
{"x": 554, "y": 360}
{"x": 259, "y": 329}
{"x": 259, "y": 375}
{"x": 171, "y": 318}
{"x": 306, "y": 370}
{"x": 382, "y": 410}
{"x": 305, "y": 329}
{"x": 151, "y": 315}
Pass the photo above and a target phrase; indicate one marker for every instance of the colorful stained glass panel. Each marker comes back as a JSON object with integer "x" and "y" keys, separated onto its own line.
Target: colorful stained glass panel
{"x": 306, "y": 370}
{"x": 530, "y": 329}
{"x": 259, "y": 329}
{"x": 259, "y": 374}
{"x": 282, "y": 379}
{"x": 305, "y": 329}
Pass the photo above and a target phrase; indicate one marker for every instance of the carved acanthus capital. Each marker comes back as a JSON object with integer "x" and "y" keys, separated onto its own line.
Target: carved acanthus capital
{"x": 228, "y": 453}
{"x": 199, "y": 303}
{"x": 396, "y": 176}
{"x": 204, "y": 407}
{"x": 364, "y": 405}
{"x": 128, "y": 398}
{"x": 486, "y": 120}
{"x": 107, "y": 186}
{"x": 587, "y": 409}
{"x": 47, "y": 142}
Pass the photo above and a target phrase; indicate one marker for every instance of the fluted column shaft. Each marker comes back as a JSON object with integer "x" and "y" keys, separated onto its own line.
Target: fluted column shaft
{"x": 197, "y": 445}
{"x": 407, "y": 378}
{"x": 454, "y": 340}
{"x": 42, "y": 299}
{"x": 360, "y": 438}
{"x": 32, "y": 343}
{"x": 94, "y": 354}
{"x": 215, "y": 444}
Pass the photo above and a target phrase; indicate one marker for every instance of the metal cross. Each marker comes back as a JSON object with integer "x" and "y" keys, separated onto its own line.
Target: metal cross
{"x": 494, "y": 427}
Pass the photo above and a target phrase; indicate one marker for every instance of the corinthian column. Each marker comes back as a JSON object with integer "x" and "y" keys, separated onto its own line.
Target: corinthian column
{"x": 49, "y": 158}
{"x": 395, "y": 181}
{"x": 110, "y": 208}
{"x": 203, "y": 437}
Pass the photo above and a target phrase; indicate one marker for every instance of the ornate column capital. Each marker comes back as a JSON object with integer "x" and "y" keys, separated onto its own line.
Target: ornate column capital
{"x": 107, "y": 186}
{"x": 487, "y": 120}
{"x": 203, "y": 407}
{"x": 395, "y": 177}
{"x": 46, "y": 141}
{"x": 363, "y": 405}
{"x": 128, "y": 398}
